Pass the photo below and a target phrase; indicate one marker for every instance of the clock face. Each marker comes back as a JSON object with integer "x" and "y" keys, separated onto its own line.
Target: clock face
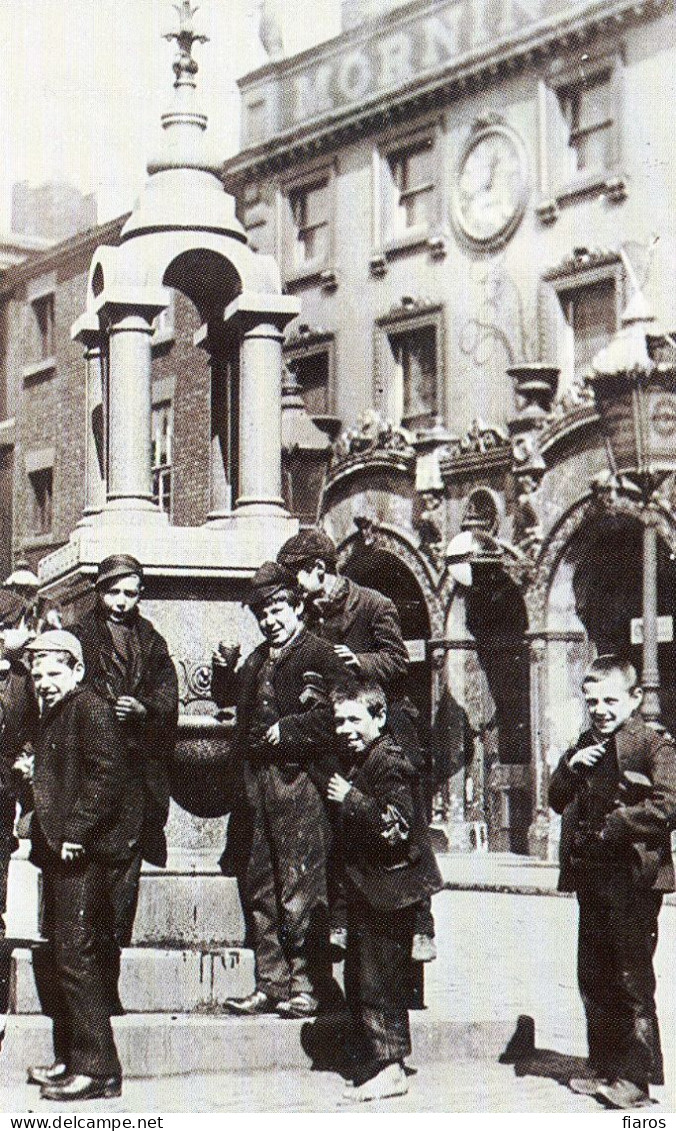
{"x": 490, "y": 195}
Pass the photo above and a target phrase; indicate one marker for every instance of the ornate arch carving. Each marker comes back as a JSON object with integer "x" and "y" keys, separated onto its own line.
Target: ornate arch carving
{"x": 537, "y": 593}
{"x": 396, "y": 543}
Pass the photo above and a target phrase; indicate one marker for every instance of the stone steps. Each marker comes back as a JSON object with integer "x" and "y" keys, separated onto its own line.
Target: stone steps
{"x": 156, "y": 981}
{"x": 155, "y": 1045}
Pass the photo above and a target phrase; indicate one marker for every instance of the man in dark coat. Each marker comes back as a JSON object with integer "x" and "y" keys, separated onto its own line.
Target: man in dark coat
{"x": 390, "y": 867}
{"x": 363, "y": 626}
{"x": 88, "y": 814}
{"x": 128, "y": 664}
{"x": 616, "y": 789}
{"x": 283, "y": 745}
{"x": 18, "y": 724}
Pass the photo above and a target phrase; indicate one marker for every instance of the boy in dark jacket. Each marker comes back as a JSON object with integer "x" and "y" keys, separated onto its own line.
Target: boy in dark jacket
{"x": 88, "y": 814}
{"x": 616, "y": 790}
{"x": 389, "y": 868}
{"x": 283, "y": 746}
{"x": 364, "y": 628}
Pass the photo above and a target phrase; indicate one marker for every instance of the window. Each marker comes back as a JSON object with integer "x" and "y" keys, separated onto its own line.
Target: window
{"x": 162, "y": 440}
{"x": 41, "y": 482}
{"x": 310, "y": 214}
{"x": 310, "y": 355}
{"x": 581, "y": 135}
{"x": 38, "y": 326}
{"x": 307, "y": 227}
{"x": 591, "y": 313}
{"x": 581, "y": 310}
{"x": 409, "y": 184}
{"x": 408, "y": 388}
{"x": 586, "y": 107}
{"x": 43, "y": 314}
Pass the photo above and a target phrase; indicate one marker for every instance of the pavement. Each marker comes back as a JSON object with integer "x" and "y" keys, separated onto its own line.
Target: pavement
{"x": 502, "y": 953}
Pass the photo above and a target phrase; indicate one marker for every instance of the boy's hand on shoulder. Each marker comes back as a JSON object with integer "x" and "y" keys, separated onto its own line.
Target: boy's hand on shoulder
{"x": 338, "y": 788}
{"x": 587, "y": 757}
{"x": 347, "y": 656}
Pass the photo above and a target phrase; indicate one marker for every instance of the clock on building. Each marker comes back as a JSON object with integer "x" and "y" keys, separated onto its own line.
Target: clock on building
{"x": 491, "y": 186}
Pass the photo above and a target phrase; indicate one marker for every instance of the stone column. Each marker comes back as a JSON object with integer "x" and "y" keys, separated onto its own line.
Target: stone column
{"x": 651, "y": 673}
{"x": 88, "y": 332}
{"x": 260, "y": 320}
{"x": 538, "y": 833}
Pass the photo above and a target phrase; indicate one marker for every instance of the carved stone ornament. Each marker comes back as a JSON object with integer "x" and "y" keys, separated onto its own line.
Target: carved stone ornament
{"x": 373, "y": 434}
{"x": 196, "y": 681}
{"x": 482, "y": 437}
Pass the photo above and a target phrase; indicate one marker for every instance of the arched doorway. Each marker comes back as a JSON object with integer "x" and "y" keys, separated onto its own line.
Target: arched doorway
{"x": 598, "y": 586}
{"x": 383, "y": 570}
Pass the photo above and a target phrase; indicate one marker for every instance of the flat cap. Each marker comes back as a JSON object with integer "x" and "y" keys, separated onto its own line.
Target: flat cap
{"x": 269, "y": 579}
{"x": 307, "y": 546}
{"x": 116, "y": 566}
{"x": 57, "y": 640}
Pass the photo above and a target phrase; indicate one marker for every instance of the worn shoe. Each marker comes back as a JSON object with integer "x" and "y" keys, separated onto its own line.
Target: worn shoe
{"x": 46, "y": 1073}
{"x": 80, "y": 1087}
{"x": 623, "y": 1094}
{"x": 391, "y": 1081}
{"x": 587, "y": 1085}
{"x": 424, "y": 949}
{"x": 301, "y": 1005}
{"x": 255, "y": 1003}
{"x": 338, "y": 938}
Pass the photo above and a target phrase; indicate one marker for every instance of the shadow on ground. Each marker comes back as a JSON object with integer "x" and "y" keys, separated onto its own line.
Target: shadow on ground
{"x": 531, "y": 1061}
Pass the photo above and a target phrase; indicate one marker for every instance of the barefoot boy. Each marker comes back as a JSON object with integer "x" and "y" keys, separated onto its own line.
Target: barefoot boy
{"x": 389, "y": 868}
{"x": 616, "y": 790}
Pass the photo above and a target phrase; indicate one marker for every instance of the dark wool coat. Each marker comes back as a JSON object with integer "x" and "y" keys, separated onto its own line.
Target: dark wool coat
{"x": 85, "y": 787}
{"x": 636, "y": 833}
{"x": 18, "y": 720}
{"x": 153, "y": 738}
{"x": 388, "y": 876}
{"x": 307, "y": 733}
{"x": 368, "y": 623}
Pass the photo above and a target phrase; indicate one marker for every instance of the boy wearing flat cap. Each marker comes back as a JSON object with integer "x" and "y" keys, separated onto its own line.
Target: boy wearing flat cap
{"x": 283, "y": 745}
{"x": 128, "y": 664}
{"x": 616, "y": 789}
{"x": 363, "y": 627}
{"x": 86, "y": 822}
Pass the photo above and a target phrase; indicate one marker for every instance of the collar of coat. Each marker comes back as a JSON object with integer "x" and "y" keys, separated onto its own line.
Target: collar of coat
{"x": 630, "y": 739}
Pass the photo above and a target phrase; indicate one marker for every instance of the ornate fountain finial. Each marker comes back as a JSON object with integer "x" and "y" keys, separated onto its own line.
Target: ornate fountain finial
{"x": 185, "y": 67}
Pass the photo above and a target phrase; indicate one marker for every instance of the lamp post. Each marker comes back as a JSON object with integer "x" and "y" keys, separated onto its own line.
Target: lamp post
{"x": 635, "y": 394}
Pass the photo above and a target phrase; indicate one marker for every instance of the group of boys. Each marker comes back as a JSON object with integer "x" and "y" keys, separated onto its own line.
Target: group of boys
{"x": 328, "y": 838}
{"x": 328, "y": 835}
{"x": 93, "y": 771}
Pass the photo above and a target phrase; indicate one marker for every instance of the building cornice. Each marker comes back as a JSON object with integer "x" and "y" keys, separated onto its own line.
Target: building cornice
{"x": 62, "y": 255}
{"x": 476, "y": 68}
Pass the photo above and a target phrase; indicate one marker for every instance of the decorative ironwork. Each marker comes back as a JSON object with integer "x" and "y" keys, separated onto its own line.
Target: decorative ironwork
{"x": 185, "y": 66}
{"x": 197, "y": 682}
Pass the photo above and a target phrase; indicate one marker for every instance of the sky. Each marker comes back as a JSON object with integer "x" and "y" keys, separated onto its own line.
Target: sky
{"x": 83, "y": 84}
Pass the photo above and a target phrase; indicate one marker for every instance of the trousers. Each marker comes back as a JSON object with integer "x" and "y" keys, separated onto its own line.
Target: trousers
{"x": 74, "y": 984}
{"x": 285, "y": 883}
{"x": 616, "y": 944}
{"x": 378, "y": 978}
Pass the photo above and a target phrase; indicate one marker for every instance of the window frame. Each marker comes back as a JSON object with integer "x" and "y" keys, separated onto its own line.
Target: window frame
{"x": 578, "y": 276}
{"x": 314, "y": 343}
{"x": 556, "y": 187}
{"x": 321, "y": 267}
{"x": 409, "y": 318}
{"x": 162, "y": 397}
{"x": 41, "y": 362}
{"x": 388, "y": 241}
